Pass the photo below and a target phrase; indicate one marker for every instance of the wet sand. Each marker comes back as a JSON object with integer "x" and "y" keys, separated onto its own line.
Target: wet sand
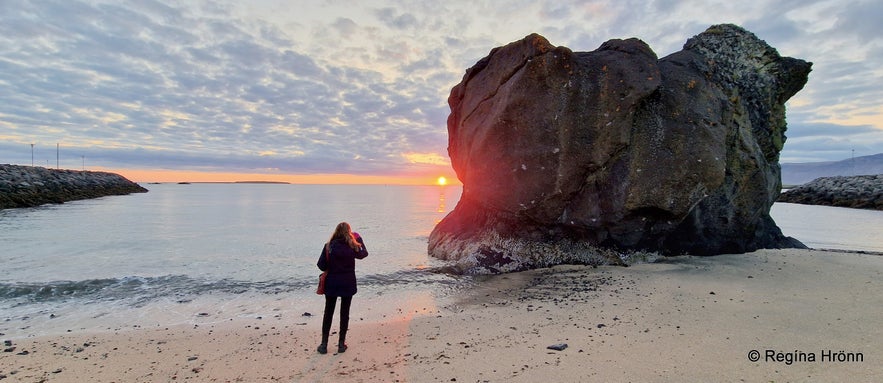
{"x": 810, "y": 315}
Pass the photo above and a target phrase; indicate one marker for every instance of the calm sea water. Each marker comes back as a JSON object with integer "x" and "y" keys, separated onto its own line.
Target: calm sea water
{"x": 202, "y": 252}
{"x": 215, "y": 252}
{"x": 826, "y": 227}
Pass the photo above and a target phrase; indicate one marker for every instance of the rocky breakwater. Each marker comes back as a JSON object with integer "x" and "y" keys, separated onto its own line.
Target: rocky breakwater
{"x": 860, "y": 192}
{"x": 26, "y": 186}
{"x": 582, "y": 157}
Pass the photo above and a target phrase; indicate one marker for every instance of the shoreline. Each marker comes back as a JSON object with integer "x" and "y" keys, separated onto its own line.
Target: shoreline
{"x": 865, "y": 252}
{"x": 683, "y": 318}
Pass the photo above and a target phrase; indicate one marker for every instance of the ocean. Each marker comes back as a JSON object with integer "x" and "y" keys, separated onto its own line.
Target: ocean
{"x": 208, "y": 253}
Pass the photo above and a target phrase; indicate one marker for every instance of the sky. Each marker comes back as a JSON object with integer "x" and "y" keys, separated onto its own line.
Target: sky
{"x": 356, "y": 91}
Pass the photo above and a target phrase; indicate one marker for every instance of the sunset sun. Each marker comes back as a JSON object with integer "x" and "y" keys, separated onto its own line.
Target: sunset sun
{"x": 442, "y": 181}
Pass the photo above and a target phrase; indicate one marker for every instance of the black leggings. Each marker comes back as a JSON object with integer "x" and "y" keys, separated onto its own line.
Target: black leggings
{"x": 330, "y": 302}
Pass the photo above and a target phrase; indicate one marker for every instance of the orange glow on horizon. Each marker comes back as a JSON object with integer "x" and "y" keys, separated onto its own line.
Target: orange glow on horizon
{"x": 442, "y": 181}
{"x": 152, "y": 175}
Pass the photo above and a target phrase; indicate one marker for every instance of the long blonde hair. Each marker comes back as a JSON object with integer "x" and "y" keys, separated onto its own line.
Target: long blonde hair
{"x": 345, "y": 232}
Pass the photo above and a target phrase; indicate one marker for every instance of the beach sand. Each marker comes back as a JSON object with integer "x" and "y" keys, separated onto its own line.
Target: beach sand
{"x": 680, "y": 319}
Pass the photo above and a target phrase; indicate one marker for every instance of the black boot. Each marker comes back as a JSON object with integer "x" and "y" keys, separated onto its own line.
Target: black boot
{"x": 323, "y": 347}
{"x": 341, "y": 344}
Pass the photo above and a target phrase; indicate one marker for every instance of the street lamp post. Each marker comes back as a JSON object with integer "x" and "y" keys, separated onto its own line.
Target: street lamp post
{"x": 853, "y": 162}
{"x": 32, "y": 154}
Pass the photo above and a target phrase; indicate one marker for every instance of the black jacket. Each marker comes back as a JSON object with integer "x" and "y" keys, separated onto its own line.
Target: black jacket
{"x": 341, "y": 267}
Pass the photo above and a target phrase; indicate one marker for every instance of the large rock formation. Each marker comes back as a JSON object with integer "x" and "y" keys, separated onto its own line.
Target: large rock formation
{"x": 859, "y": 192}
{"x": 27, "y": 186}
{"x": 578, "y": 157}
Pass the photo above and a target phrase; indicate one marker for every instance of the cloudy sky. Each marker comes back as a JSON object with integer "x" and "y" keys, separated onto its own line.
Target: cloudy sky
{"x": 360, "y": 87}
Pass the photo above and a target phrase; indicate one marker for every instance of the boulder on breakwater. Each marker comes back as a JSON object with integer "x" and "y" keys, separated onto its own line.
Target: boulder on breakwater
{"x": 28, "y": 186}
{"x": 859, "y": 192}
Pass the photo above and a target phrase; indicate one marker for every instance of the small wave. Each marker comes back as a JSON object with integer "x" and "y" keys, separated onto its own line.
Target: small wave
{"x": 139, "y": 291}
{"x": 54, "y": 290}
{"x": 409, "y": 277}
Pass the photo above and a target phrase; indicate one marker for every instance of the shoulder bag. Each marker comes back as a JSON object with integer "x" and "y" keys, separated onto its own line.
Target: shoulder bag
{"x": 321, "y": 289}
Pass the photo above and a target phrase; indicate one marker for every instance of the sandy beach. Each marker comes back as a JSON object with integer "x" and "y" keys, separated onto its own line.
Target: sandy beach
{"x": 811, "y": 316}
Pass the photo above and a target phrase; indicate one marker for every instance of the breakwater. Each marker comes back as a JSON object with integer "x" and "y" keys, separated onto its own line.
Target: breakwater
{"x": 860, "y": 192}
{"x": 27, "y": 186}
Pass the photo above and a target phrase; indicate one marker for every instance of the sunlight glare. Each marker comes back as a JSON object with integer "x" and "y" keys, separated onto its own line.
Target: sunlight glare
{"x": 442, "y": 181}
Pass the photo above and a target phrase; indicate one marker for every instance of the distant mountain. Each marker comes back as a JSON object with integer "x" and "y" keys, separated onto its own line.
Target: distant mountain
{"x": 801, "y": 173}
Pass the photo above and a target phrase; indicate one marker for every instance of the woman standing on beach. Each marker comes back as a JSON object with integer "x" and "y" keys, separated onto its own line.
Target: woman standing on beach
{"x": 338, "y": 258}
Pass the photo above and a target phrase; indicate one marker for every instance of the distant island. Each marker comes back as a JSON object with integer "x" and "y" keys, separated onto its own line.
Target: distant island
{"x": 28, "y": 186}
{"x": 222, "y": 182}
{"x": 229, "y": 182}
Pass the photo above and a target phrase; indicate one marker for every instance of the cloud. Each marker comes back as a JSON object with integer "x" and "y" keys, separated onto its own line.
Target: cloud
{"x": 819, "y": 142}
{"x": 346, "y": 27}
{"x": 392, "y": 18}
{"x": 206, "y": 91}
{"x": 333, "y": 87}
{"x": 426, "y": 158}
